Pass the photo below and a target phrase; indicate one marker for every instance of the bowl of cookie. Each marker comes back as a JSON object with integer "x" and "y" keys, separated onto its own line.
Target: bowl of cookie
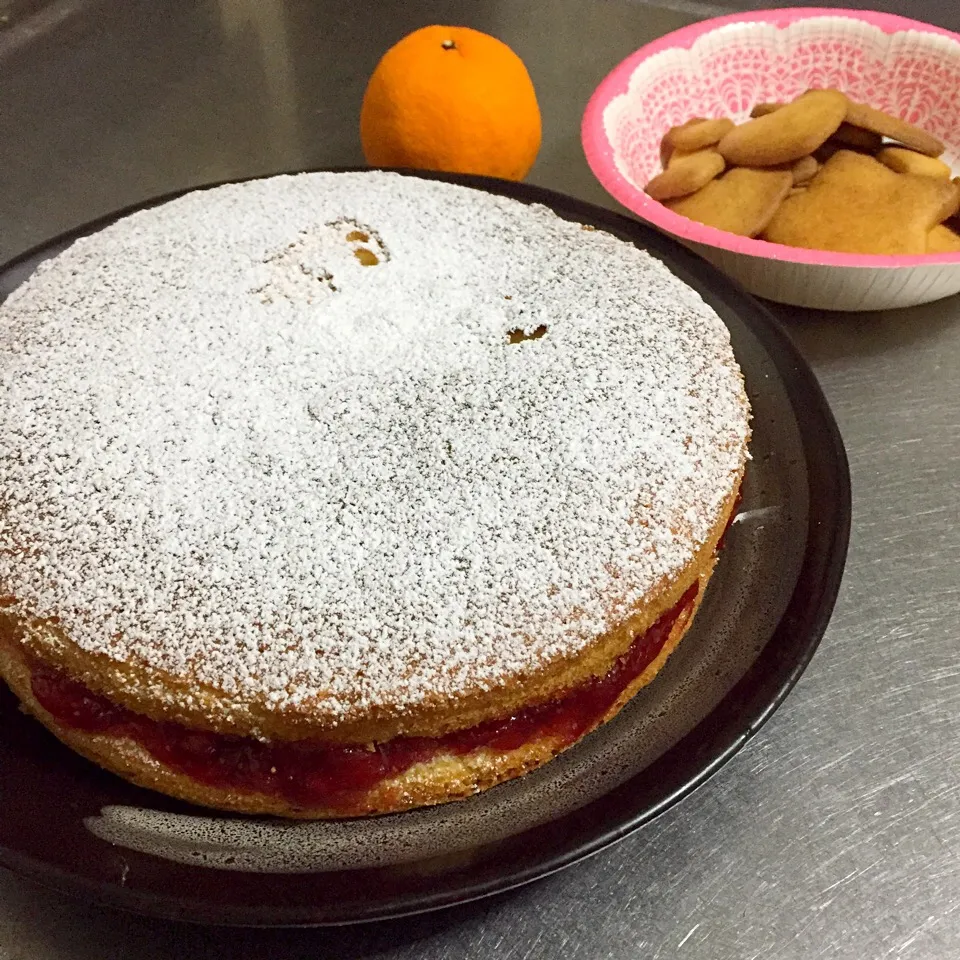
{"x": 812, "y": 154}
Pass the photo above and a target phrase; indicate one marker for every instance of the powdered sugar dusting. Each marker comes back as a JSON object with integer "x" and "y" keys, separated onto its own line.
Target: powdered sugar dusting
{"x": 240, "y": 450}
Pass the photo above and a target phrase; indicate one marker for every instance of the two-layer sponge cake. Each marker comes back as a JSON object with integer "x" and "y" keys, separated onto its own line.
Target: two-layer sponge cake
{"x": 340, "y": 494}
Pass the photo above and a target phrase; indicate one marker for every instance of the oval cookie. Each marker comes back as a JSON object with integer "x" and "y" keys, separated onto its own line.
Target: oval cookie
{"x": 787, "y": 134}
{"x": 909, "y": 161}
{"x": 860, "y": 115}
{"x": 696, "y": 136}
{"x": 685, "y": 175}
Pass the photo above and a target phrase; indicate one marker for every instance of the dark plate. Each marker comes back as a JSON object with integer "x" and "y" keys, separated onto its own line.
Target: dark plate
{"x": 70, "y": 825}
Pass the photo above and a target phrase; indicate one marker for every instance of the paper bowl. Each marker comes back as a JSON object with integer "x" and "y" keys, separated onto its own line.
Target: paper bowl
{"x": 722, "y": 67}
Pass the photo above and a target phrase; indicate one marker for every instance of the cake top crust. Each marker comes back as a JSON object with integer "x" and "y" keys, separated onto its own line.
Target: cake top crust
{"x": 356, "y": 439}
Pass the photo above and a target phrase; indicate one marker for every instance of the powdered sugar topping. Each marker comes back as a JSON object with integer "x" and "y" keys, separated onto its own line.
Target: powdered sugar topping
{"x": 275, "y": 437}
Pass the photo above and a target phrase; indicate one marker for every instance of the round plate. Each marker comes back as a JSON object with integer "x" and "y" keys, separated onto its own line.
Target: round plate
{"x": 70, "y": 825}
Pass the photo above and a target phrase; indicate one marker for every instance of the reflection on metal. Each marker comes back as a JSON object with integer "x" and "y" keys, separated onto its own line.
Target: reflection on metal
{"x": 263, "y": 24}
{"x": 24, "y": 20}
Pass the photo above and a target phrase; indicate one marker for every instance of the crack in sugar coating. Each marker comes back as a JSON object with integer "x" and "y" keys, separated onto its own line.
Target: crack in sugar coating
{"x": 371, "y": 496}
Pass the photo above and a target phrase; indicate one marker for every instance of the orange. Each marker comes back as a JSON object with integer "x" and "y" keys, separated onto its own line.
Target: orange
{"x": 453, "y": 99}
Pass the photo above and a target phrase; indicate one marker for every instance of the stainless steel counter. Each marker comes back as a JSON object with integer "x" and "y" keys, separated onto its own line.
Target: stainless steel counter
{"x": 836, "y": 832}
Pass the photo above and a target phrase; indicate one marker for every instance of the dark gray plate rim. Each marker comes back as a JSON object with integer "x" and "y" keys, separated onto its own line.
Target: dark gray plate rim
{"x": 339, "y": 897}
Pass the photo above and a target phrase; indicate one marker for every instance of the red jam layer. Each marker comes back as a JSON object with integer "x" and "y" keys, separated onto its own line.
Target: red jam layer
{"x": 315, "y": 774}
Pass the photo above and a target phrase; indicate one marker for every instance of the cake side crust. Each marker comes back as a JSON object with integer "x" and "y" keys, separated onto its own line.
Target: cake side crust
{"x": 442, "y": 779}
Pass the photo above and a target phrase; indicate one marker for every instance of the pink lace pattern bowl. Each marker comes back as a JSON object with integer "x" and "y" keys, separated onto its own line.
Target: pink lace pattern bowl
{"x": 723, "y": 67}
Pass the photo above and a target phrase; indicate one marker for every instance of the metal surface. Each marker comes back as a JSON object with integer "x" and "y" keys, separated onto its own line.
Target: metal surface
{"x": 834, "y": 834}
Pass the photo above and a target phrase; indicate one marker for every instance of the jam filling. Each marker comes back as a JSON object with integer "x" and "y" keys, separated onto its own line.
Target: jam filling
{"x": 336, "y": 776}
